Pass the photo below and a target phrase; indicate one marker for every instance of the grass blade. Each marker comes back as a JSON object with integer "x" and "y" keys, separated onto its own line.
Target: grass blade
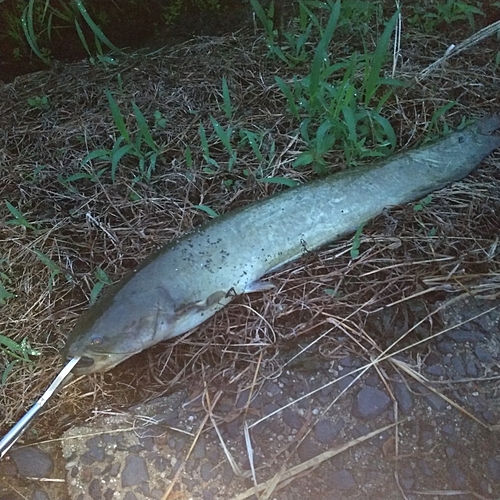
{"x": 143, "y": 127}
{"x": 93, "y": 26}
{"x": 372, "y": 76}
{"x": 117, "y": 117}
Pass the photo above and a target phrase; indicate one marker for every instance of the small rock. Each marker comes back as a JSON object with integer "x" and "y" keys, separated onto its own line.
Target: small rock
{"x": 402, "y": 394}
{"x": 207, "y": 472}
{"x": 343, "y": 383}
{"x": 342, "y": 480}
{"x": 346, "y": 362}
{"x": 109, "y": 494}
{"x": 308, "y": 449}
{"x": 490, "y": 417}
{"x": 471, "y": 368}
{"x": 448, "y": 429}
{"x": 457, "y": 476}
{"x": 95, "y": 491}
{"x": 466, "y": 336}
{"x": 292, "y": 419}
{"x": 199, "y": 449}
{"x": 371, "y": 402}
{"x": 32, "y": 462}
{"x": 326, "y": 431}
{"x": 483, "y": 354}
{"x": 269, "y": 408}
{"x": 157, "y": 494}
{"x": 39, "y": 495}
{"x": 446, "y": 347}
{"x": 242, "y": 399}
{"x": 493, "y": 469}
{"x": 436, "y": 370}
{"x": 458, "y": 366}
{"x": 160, "y": 464}
{"x": 129, "y": 496}
{"x": 407, "y": 478}
{"x": 134, "y": 472}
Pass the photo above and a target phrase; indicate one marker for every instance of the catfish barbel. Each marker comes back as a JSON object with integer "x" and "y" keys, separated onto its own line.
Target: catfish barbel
{"x": 192, "y": 278}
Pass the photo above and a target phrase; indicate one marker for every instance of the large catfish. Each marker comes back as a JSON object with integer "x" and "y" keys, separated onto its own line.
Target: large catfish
{"x": 189, "y": 280}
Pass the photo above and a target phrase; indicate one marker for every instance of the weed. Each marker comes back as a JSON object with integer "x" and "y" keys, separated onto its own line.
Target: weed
{"x": 4, "y": 279}
{"x": 207, "y": 210}
{"x": 336, "y": 107}
{"x": 42, "y": 14}
{"x": 39, "y": 102}
{"x": 54, "y": 268}
{"x": 20, "y": 351}
{"x": 102, "y": 279}
{"x": 356, "y": 242}
{"x": 450, "y": 11}
{"x": 19, "y": 219}
{"x": 139, "y": 144}
{"x": 422, "y": 203}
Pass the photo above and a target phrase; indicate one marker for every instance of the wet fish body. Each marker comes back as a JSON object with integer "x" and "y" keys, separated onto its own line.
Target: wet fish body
{"x": 189, "y": 280}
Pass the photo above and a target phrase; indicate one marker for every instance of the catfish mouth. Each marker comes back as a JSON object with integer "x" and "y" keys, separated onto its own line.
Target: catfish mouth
{"x": 98, "y": 363}
{"x": 85, "y": 362}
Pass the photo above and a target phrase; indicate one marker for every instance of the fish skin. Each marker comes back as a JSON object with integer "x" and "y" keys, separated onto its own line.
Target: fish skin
{"x": 190, "y": 279}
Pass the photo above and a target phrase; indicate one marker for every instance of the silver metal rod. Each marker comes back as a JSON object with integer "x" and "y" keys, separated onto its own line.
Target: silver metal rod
{"x": 15, "y": 433}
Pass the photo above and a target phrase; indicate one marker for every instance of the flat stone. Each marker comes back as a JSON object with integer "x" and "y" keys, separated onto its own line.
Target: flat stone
{"x": 458, "y": 479}
{"x": 493, "y": 469}
{"x": 292, "y": 419}
{"x": 39, "y": 495}
{"x": 458, "y": 366}
{"x": 436, "y": 370}
{"x": 342, "y": 480}
{"x": 446, "y": 347}
{"x": 199, "y": 449}
{"x": 95, "y": 491}
{"x": 32, "y": 462}
{"x": 466, "y": 336}
{"x": 308, "y": 449}
{"x": 483, "y": 354}
{"x": 326, "y": 431}
{"x": 371, "y": 402}
{"x": 471, "y": 368}
{"x": 402, "y": 394}
{"x": 134, "y": 472}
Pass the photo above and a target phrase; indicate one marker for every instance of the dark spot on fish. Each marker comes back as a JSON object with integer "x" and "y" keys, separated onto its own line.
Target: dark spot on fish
{"x": 461, "y": 139}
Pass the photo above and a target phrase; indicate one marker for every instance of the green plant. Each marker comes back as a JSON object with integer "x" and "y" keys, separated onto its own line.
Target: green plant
{"x": 4, "y": 293}
{"x": 335, "y": 106}
{"x": 102, "y": 279}
{"x": 20, "y": 351}
{"x": 139, "y": 144}
{"x": 38, "y": 23}
{"x": 356, "y": 242}
{"x": 39, "y": 102}
{"x": 55, "y": 269}
{"x": 19, "y": 219}
{"x": 428, "y": 17}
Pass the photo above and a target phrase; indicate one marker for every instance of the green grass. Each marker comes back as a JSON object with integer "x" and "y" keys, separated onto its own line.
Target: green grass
{"x": 38, "y": 21}
{"x": 15, "y": 352}
{"x": 138, "y": 144}
{"x": 340, "y": 104}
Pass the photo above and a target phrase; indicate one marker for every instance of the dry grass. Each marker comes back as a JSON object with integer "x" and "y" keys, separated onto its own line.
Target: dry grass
{"x": 100, "y": 224}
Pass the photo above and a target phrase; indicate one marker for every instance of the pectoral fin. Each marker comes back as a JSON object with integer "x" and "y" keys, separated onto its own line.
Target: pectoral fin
{"x": 258, "y": 286}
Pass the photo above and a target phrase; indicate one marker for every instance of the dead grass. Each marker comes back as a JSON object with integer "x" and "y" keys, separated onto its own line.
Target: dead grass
{"x": 98, "y": 224}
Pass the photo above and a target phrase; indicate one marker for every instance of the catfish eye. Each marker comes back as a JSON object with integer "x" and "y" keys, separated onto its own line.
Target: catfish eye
{"x": 96, "y": 340}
